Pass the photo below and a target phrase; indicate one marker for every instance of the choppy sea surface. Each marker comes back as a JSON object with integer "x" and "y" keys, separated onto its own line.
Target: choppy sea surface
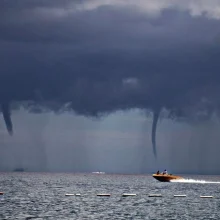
{"x": 42, "y": 196}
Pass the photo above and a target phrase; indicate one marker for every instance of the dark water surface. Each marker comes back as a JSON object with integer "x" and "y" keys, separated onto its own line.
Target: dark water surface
{"x": 42, "y": 196}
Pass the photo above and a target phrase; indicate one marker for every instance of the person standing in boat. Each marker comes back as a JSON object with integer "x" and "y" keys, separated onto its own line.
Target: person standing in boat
{"x": 165, "y": 172}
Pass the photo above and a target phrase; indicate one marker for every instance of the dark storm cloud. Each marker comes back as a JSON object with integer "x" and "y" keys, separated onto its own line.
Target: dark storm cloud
{"x": 100, "y": 57}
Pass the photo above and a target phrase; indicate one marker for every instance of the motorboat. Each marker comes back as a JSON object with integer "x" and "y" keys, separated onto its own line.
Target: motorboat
{"x": 20, "y": 169}
{"x": 166, "y": 177}
{"x": 98, "y": 172}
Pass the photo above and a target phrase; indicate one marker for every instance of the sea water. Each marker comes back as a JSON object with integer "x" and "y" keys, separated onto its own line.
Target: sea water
{"x": 42, "y": 196}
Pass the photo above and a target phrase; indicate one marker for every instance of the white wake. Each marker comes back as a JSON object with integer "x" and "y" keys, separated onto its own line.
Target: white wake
{"x": 194, "y": 181}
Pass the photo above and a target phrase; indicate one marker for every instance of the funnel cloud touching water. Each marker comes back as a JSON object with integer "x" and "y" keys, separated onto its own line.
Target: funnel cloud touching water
{"x": 96, "y": 57}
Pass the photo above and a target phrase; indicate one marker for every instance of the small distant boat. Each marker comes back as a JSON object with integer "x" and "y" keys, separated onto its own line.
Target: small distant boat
{"x": 166, "y": 177}
{"x": 19, "y": 170}
{"x": 98, "y": 172}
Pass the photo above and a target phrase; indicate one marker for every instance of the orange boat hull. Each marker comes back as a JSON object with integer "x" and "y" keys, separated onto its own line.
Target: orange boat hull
{"x": 166, "y": 177}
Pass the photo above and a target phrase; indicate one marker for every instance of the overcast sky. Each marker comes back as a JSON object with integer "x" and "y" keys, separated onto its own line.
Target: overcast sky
{"x": 118, "y": 60}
